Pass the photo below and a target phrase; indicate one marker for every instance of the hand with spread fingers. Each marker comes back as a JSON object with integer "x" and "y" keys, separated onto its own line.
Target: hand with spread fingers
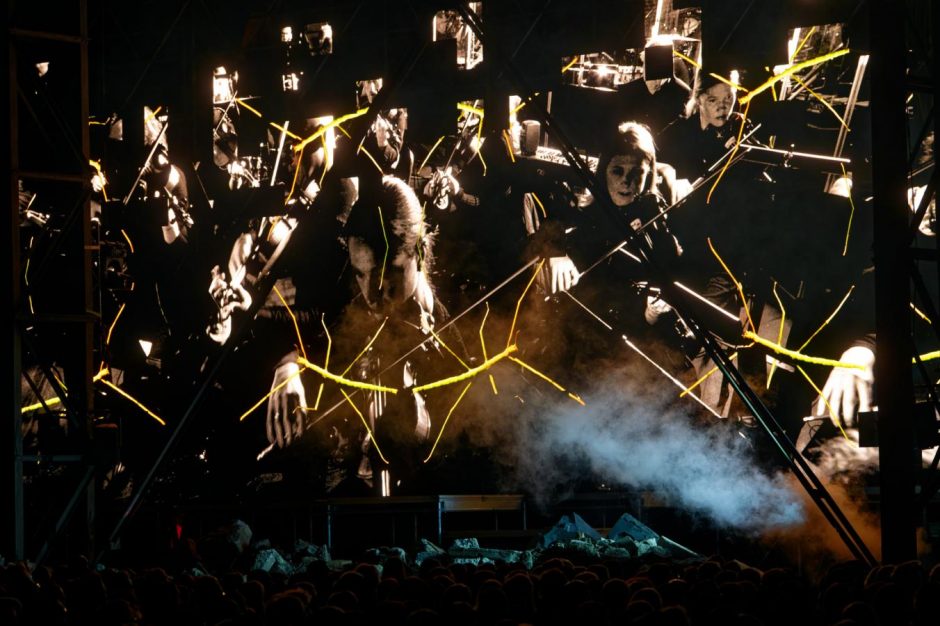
{"x": 560, "y": 274}
{"x": 848, "y": 391}
{"x": 286, "y": 406}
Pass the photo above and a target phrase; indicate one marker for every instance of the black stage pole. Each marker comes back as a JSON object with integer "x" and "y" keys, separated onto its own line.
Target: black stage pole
{"x": 892, "y": 255}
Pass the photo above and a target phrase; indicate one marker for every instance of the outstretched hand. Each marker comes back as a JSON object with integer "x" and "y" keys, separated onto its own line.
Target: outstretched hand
{"x": 559, "y": 274}
{"x": 286, "y": 406}
{"x": 848, "y": 391}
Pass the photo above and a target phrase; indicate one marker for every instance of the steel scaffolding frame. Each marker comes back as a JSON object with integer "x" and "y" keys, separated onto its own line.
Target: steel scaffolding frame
{"x": 78, "y": 399}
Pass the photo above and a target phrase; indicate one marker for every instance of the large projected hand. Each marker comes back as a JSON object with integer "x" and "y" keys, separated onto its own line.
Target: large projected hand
{"x": 286, "y": 405}
{"x": 848, "y": 391}
{"x": 560, "y": 274}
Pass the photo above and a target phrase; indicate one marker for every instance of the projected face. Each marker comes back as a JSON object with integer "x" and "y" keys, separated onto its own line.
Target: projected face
{"x": 715, "y": 105}
{"x": 626, "y": 178}
{"x": 384, "y": 291}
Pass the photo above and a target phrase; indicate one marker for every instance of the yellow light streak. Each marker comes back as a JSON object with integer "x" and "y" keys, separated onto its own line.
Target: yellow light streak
{"x": 462, "y": 106}
{"x": 100, "y": 378}
{"x": 929, "y": 356}
{"x": 544, "y": 377}
{"x": 480, "y": 154}
{"x": 29, "y": 408}
{"x": 736, "y": 283}
{"x": 687, "y": 58}
{"x": 698, "y": 382}
{"x": 799, "y": 67}
{"x": 366, "y": 424}
{"x": 802, "y": 43}
{"x": 446, "y": 347}
{"x": 718, "y": 77}
{"x": 385, "y": 237}
{"x": 921, "y": 314}
{"x": 371, "y": 158}
{"x": 134, "y": 400}
{"x": 824, "y": 103}
{"x": 798, "y": 356}
{"x": 300, "y": 340}
{"x": 249, "y": 107}
{"x": 512, "y": 328}
{"x": 107, "y": 340}
{"x": 482, "y": 324}
{"x": 316, "y": 405}
{"x": 734, "y": 151}
{"x": 325, "y": 373}
{"x": 490, "y": 361}
{"x": 104, "y": 181}
{"x": 279, "y": 386}
{"x": 128, "y": 239}
{"x": 285, "y": 131}
{"x": 430, "y": 152}
{"x": 828, "y": 319}
{"x": 447, "y": 419}
{"x": 848, "y": 228}
{"x": 571, "y": 63}
{"x": 825, "y": 400}
{"x": 522, "y": 104}
{"x": 323, "y": 129}
{"x": 704, "y": 377}
{"x": 59, "y": 380}
{"x": 470, "y": 373}
{"x": 329, "y": 341}
{"x": 508, "y": 142}
{"x": 153, "y": 114}
{"x": 783, "y": 319}
{"x": 327, "y": 160}
{"x": 539, "y": 202}
{"x": 674, "y": 380}
{"x": 364, "y": 350}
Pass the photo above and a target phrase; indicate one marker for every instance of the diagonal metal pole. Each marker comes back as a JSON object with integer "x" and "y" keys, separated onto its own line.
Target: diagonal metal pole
{"x": 85, "y": 482}
{"x": 798, "y": 465}
{"x": 155, "y": 54}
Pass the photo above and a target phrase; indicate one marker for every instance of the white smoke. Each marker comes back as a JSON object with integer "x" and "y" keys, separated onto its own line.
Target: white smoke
{"x": 640, "y": 438}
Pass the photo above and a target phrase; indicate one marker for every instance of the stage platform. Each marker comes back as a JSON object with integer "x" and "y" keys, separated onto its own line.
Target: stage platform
{"x": 349, "y": 525}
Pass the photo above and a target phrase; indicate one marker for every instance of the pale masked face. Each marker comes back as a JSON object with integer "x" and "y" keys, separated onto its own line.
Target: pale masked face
{"x": 627, "y": 177}
{"x": 384, "y": 290}
{"x": 715, "y": 105}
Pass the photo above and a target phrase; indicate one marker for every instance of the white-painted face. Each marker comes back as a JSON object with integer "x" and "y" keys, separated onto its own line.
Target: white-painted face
{"x": 715, "y": 105}
{"x": 384, "y": 289}
{"x": 627, "y": 177}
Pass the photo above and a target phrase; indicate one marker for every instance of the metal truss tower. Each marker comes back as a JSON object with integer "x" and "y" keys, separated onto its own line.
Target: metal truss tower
{"x": 48, "y": 141}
